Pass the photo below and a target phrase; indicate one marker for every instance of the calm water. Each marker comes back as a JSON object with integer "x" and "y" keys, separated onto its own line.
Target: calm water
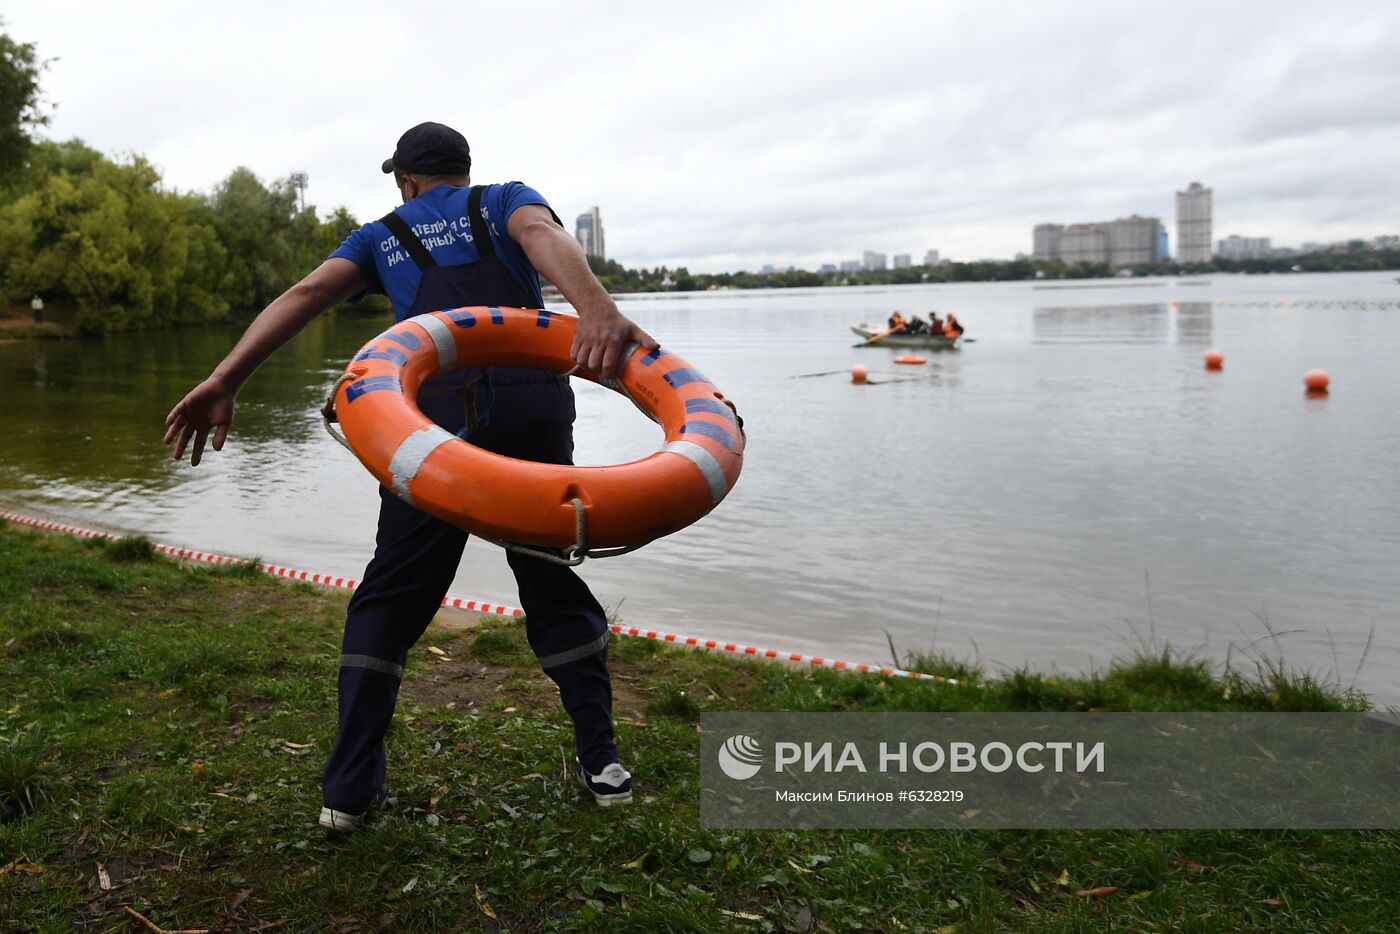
{"x": 1055, "y": 493}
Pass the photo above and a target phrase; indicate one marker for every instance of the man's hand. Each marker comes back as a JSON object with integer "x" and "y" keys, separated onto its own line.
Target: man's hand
{"x": 208, "y": 407}
{"x": 600, "y": 338}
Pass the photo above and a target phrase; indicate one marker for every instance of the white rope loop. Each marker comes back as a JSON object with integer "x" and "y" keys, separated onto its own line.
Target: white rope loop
{"x": 328, "y": 412}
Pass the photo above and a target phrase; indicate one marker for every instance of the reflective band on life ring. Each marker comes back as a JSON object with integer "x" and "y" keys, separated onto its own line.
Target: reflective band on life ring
{"x": 523, "y": 501}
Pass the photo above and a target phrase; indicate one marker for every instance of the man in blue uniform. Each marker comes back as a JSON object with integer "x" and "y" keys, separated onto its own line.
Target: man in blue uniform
{"x": 448, "y": 245}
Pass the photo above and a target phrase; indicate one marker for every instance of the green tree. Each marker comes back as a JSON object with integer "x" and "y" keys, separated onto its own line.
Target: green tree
{"x": 334, "y": 229}
{"x": 20, "y": 115}
{"x": 73, "y": 156}
{"x": 107, "y": 236}
{"x": 268, "y": 242}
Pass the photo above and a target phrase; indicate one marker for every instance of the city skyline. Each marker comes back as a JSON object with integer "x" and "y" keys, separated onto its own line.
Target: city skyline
{"x": 1290, "y": 111}
{"x": 1231, "y": 247}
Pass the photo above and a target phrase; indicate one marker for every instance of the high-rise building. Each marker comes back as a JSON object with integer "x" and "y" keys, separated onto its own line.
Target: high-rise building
{"x": 1128, "y": 241}
{"x": 902, "y": 261}
{"x": 931, "y": 258}
{"x": 1193, "y": 218}
{"x": 1233, "y": 247}
{"x": 850, "y": 265}
{"x": 874, "y": 260}
{"x": 1046, "y": 240}
{"x": 588, "y": 230}
{"x": 1134, "y": 241}
{"x": 1084, "y": 243}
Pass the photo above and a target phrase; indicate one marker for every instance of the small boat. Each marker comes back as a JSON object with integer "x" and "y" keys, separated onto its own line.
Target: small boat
{"x": 927, "y": 341}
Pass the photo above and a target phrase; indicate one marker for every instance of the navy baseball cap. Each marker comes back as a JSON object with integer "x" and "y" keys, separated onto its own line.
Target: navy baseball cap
{"x": 431, "y": 149}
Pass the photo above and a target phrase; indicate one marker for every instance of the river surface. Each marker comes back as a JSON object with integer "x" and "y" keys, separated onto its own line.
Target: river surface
{"x": 1066, "y": 488}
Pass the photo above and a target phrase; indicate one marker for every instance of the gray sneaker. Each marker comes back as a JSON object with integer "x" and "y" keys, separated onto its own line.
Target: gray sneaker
{"x": 611, "y": 786}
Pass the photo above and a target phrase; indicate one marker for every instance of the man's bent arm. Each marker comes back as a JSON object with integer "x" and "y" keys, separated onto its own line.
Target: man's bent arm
{"x": 602, "y": 330}
{"x": 209, "y": 406}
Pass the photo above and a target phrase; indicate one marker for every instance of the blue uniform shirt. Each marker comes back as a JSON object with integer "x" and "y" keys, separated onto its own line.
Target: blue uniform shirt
{"x": 439, "y": 217}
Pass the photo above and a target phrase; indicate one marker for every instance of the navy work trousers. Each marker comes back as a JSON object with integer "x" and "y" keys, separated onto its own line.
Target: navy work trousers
{"x": 415, "y": 559}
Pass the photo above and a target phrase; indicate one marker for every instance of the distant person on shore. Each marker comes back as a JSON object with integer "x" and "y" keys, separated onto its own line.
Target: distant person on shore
{"x": 896, "y": 324}
{"x": 951, "y": 328}
{"x": 499, "y": 240}
{"x": 36, "y": 305}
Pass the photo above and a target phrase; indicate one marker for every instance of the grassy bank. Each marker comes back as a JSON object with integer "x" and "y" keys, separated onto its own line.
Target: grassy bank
{"x": 162, "y": 729}
{"x": 17, "y": 323}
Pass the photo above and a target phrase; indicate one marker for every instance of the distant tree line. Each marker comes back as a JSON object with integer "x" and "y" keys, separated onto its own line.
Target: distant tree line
{"x": 661, "y": 278}
{"x": 108, "y": 238}
{"x": 1358, "y": 258}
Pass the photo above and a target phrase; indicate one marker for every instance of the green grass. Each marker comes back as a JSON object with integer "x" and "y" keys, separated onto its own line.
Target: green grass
{"x": 26, "y": 781}
{"x": 132, "y": 548}
{"x": 165, "y": 727}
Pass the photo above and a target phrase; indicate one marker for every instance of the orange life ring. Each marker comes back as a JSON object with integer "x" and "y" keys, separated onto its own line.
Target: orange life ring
{"x": 522, "y": 501}
{"x": 911, "y": 359}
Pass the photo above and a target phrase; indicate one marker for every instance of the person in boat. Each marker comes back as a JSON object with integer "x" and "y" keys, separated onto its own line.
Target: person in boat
{"x": 916, "y": 325}
{"x": 896, "y": 324}
{"x": 935, "y": 323}
{"x": 951, "y": 327}
{"x": 523, "y": 413}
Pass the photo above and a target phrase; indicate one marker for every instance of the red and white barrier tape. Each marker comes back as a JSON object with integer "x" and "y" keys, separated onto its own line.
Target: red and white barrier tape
{"x": 815, "y": 661}
{"x": 482, "y": 606}
{"x": 276, "y": 570}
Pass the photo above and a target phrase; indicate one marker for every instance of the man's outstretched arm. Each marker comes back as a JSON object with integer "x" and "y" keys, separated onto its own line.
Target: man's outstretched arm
{"x": 209, "y": 406}
{"x": 602, "y": 330}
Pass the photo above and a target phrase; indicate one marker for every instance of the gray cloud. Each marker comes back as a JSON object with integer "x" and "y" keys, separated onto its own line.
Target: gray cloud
{"x": 740, "y": 133}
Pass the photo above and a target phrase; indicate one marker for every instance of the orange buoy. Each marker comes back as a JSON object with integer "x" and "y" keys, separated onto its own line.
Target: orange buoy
{"x": 522, "y": 501}
{"x": 910, "y": 359}
{"x": 1214, "y": 359}
{"x": 859, "y": 373}
{"x": 1316, "y": 380}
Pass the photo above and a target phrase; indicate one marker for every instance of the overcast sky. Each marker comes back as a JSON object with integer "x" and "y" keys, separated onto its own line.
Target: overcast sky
{"x": 727, "y": 135}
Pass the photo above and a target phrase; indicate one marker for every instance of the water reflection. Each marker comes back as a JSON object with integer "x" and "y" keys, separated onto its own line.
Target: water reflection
{"x": 1193, "y": 322}
{"x": 1103, "y": 324}
{"x": 92, "y": 412}
{"x": 1142, "y": 323}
